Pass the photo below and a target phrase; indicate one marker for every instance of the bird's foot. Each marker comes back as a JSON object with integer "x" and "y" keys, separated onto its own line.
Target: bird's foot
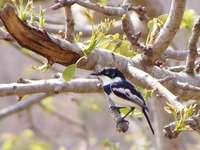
{"x": 113, "y": 108}
{"x": 130, "y": 111}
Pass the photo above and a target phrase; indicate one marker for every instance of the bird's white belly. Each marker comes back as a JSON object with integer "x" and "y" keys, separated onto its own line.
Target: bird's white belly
{"x": 121, "y": 102}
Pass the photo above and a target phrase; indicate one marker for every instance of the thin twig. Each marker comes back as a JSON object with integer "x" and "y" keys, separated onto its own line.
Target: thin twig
{"x": 20, "y": 106}
{"x": 107, "y": 10}
{"x": 69, "y": 25}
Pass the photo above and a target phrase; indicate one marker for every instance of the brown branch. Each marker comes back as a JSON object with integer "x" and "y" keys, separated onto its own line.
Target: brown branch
{"x": 190, "y": 62}
{"x": 193, "y": 122}
{"x": 37, "y": 40}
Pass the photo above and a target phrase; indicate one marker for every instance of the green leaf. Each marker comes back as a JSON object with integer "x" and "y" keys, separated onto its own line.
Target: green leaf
{"x": 69, "y": 72}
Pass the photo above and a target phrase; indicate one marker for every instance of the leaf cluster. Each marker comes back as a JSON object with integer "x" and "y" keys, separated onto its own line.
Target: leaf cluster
{"x": 180, "y": 116}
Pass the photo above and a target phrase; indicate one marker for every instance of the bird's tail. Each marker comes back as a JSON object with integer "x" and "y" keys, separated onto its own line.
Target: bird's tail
{"x": 147, "y": 118}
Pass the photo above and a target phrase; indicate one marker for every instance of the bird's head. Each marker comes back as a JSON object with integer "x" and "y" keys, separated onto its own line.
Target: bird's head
{"x": 109, "y": 75}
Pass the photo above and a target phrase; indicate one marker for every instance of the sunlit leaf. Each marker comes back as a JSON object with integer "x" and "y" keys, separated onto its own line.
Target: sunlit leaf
{"x": 69, "y": 72}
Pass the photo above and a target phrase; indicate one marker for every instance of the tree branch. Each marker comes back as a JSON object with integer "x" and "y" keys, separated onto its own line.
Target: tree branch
{"x": 107, "y": 10}
{"x": 177, "y": 54}
{"x": 155, "y": 85}
{"x": 50, "y": 86}
{"x": 169, "y": 29}
{"x": 20, "y": 106}
{"x": 190, "y": 62}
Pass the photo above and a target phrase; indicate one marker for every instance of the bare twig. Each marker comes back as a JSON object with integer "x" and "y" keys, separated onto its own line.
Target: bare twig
{"x": 190, "y": 62}
{"x": 20, "y": 106}
{"x": 107, "y": 10}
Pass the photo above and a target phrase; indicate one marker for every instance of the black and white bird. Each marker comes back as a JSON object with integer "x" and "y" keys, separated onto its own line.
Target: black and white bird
{"x": 122, "y": 92}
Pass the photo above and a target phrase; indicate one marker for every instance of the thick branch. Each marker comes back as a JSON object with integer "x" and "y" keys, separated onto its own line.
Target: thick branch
{"x": 169, "y": 29}
{"x": 155, "y": 85}
{"x": 50, "y": 86}
{"x": 190, "y": 62}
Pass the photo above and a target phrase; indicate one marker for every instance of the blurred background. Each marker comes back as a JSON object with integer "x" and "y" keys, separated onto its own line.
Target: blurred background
{"x": 72, "y": 121}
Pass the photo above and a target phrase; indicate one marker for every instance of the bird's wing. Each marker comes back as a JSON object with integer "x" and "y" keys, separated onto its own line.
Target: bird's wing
{"x": 127, "y": 91}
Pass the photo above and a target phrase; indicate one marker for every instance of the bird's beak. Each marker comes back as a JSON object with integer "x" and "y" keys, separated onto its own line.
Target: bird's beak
{"x": 95, "y": 74}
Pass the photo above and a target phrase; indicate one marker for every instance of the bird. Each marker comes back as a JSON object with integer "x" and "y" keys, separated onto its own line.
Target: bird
{"x": 122, "y": 91}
